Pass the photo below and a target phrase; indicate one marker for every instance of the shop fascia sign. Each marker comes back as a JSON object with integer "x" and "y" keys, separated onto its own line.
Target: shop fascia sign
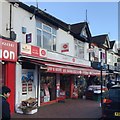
{"x": 33, "y": 51}
{"x": 56, "y": 69}
{"x": 58, "y": 57}
{"x": 62, "y": 70}
{"x": 8, "y": 50}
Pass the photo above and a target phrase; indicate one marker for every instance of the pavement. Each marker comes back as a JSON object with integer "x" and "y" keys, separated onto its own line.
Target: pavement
{"x": 72, "y": 108}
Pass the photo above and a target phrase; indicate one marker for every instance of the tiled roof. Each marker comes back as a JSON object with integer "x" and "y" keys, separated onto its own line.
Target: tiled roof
{"x": 112, "y": 44}
{"x": 100, "y": 40}
{"x": 74, "y": 29}
{"x": 78, "y": 28}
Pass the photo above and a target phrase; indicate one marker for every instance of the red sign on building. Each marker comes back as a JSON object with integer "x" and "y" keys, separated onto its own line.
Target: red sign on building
{"x": 32, "y": 51}
{"x": 65, "y": 47}
{"x": 35, "y": 51}
{"x": 8, "y": 50}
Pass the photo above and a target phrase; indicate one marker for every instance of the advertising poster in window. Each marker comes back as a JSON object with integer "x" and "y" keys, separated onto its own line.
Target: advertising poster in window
{"x": 46, "y": 90}
{"x": 27, "y": 81}
{"x": 24, "y": 88}
{"x": 30, "y": 76}
{"x": 27, "y": 76}
{"x": 30, "y": 87}
{"x": 24, "y": 77}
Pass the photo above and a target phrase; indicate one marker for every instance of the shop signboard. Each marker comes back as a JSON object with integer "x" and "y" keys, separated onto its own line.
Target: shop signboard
{"x": 29, "y": 38}
{"x": 8, "y": 50}
{"x": 65, "y": 47}
{"x": 43, "y": 52}
{"x": 25, "y": 49}
{"x": 56, "y": 69}
{"x": 60, "y": 58}
{"x": 81, "y": 71}
{"x": 33, "y": 51}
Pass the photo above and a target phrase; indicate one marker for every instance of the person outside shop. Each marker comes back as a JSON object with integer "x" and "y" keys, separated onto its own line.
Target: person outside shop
{"x": 5, "y": 105}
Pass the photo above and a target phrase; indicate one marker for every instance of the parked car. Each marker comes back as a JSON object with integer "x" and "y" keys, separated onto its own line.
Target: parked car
{"x": 94, "y": 92}
{"x": 97, "y": 88}
{"x": 111, "y": 103}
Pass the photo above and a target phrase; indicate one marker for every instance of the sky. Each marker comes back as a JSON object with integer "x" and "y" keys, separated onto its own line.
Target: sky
{"x": 101, "y": 16}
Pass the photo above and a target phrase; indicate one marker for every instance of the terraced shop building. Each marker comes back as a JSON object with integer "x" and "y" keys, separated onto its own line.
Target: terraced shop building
{"x": 52, "y": 54}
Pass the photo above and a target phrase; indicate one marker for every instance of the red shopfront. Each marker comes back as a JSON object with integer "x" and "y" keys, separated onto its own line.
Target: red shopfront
{"x": 67, "y": 75}
{"x": 53, "y": 70}
{"x": 8, "y": 58}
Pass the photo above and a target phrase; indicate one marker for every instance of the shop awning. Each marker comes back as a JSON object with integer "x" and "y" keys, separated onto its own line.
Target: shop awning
{"x": 67, "y": 69}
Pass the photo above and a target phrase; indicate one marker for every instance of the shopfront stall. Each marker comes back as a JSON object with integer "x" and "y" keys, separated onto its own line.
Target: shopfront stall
{"x": 47, "y": 87}
{"x": 47, "y": 77}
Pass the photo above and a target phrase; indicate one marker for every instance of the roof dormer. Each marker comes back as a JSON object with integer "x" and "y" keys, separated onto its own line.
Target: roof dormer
{"x": 81, "y": 30}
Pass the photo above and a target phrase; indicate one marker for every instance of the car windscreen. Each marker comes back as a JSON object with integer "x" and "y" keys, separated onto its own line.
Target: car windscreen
{"x": 114, "y": 93}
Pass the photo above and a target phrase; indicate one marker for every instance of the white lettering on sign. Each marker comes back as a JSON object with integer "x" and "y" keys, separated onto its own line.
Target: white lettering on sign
{"x": 12, "y": 55}
{"x": 8, "y": 55}
{"x": 7, "y": 44}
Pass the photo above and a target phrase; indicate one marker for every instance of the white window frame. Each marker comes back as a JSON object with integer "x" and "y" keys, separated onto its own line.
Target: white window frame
{"x": 49, "y": 32}
{"x": 79, "y": 45}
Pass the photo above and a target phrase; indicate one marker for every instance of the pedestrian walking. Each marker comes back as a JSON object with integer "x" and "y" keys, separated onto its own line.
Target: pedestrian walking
{"x": 5, "y": 105}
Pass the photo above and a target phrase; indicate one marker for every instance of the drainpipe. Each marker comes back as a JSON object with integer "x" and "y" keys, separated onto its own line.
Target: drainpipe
{"x": 90, "y": 47}
{"x": 38, "y": 86}
{"x": 10, "y": 19}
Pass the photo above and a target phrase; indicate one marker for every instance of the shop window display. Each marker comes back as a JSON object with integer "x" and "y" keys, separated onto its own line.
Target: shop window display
{"x": 28, "y": 102}
{"x": 65, "y": 84}
{"x": 80, "y": 84}
{"x": 48, "y": 87}
{"x": 27, "y": 81}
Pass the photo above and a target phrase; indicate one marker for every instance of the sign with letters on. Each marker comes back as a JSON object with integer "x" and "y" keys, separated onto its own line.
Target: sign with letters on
{"x": 8, "y": 50}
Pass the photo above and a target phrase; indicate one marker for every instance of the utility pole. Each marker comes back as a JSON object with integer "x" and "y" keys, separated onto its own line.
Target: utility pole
{"x": 86, "y": 16}
{"x": 101, "y": 76}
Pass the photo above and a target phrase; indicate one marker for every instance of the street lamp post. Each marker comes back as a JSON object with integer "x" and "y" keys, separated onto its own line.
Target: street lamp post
{"x": 101, "y": 76}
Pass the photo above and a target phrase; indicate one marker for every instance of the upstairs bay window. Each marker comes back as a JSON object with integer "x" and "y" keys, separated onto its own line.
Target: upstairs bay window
{"x": 46, "y": 36}
{"x": 39, "y": 37}
{"x": 79, "y": 49}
